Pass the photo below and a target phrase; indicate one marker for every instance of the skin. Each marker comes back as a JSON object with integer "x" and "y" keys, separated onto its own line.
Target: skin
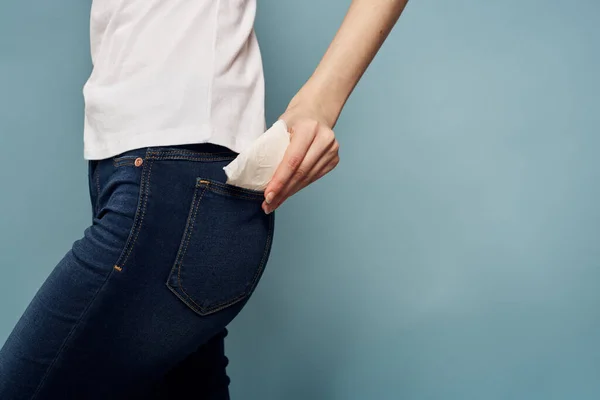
{"x": 311, "y": 115}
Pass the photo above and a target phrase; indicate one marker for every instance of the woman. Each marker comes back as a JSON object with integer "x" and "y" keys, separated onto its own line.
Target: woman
{"x": 138, "y": 307}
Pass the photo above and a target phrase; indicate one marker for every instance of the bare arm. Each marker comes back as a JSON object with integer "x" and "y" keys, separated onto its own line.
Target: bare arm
{"x": 314, "y": 110}
{"x": 366, "y": 26}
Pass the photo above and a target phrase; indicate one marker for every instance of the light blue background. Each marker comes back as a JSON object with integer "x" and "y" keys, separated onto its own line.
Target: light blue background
{"x": 454, "y": 254}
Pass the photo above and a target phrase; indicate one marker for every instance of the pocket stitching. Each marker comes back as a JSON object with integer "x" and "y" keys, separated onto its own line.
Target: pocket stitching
{"x": 237, "y": 195}
{"x": 254, "y": 282}
{"x": 230, "y": 190}
{"x": 196, "y": 200}
{"x": 189, "y": 231}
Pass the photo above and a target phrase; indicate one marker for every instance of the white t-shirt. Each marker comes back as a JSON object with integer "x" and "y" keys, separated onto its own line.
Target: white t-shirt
{"x": 172, "y": 72}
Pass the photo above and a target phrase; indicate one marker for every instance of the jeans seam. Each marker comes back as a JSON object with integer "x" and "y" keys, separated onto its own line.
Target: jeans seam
{"x": 69, "y": 335}
{"x": 97, "y": 172}
{"x": 163, "y": 154}
{"x": 154, "y": 152}
{"x": 138, "y": 219}
{"x": 187, "y": 243}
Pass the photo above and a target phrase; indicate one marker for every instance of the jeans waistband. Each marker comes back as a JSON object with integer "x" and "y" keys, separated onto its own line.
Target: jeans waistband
{"x": 204, "y": 152}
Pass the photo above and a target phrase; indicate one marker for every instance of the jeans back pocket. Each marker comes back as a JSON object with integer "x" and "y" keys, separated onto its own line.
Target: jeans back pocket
{"x": 224, "y": 248}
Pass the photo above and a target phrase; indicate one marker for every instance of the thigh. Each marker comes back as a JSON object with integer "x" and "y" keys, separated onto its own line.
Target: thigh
{"x": 172, "y": 257}
{"x": 203, "y": 372}
{"x": 60, "y": 310}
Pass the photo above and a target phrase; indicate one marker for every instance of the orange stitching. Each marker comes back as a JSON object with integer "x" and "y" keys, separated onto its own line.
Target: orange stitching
{"x": 137, "y": 225}
{"x": 144, "y": 206}
{"x": 118, "y": 268}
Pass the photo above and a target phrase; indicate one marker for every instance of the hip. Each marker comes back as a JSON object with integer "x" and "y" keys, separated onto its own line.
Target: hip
{"x": 175, "y": 213}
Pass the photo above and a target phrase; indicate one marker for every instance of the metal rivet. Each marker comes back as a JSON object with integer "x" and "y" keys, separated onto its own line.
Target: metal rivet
{"x": 138, "y": 162}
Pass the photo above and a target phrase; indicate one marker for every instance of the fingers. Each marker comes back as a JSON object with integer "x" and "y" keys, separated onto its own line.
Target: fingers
{"x": 303, "y": 165}
{"x": 319, "y": 161}
{"x": 300, "y": 142}
{"x": 304, "y": 172}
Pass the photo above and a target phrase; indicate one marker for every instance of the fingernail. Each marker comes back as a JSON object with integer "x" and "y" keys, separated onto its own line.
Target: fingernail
{"x": 268, "y": 211}
{"x": 269, "y": 197}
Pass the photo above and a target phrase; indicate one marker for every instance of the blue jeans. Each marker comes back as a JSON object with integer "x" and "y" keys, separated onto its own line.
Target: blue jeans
{"x": 138, "y": 307}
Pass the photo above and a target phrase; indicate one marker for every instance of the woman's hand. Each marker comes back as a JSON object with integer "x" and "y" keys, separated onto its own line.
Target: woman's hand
{"x": 312, "y": 153}
{"x": 313, "y": 150}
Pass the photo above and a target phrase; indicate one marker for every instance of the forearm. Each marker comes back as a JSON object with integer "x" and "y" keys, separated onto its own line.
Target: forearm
{"x": 363, "y": 31}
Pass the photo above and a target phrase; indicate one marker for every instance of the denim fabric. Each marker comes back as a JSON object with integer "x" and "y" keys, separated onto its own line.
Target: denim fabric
{"x": 138, "y": 307}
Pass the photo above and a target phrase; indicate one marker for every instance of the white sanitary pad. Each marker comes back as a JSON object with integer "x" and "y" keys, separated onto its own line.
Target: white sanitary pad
{"x": 254, "y": 167}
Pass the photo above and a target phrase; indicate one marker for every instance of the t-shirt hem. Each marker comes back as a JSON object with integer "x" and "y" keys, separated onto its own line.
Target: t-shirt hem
{"x": 101, "y": 150}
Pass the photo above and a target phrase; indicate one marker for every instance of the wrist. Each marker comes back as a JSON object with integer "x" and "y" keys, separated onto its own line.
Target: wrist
{"x": 321, "y": 100}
